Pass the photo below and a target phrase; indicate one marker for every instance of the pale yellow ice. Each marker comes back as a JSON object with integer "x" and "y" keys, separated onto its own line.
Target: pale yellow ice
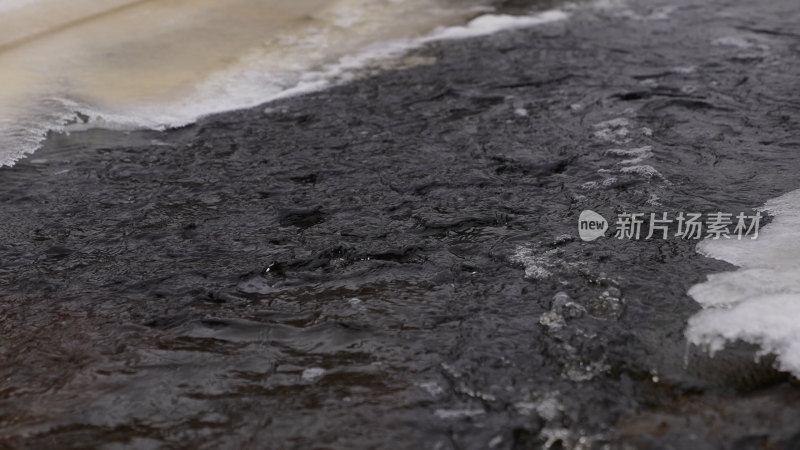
{"x": 113, "y": 51}
{"x": 119, "y": 52}
{"x": 161, "y": 63}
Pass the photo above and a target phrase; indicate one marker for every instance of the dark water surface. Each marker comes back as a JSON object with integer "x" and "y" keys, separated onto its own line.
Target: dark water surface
{"x": 394, "y": 263}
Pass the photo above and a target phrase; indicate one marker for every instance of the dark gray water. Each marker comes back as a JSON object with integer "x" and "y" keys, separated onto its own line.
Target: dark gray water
{"x": 394, "y": 263}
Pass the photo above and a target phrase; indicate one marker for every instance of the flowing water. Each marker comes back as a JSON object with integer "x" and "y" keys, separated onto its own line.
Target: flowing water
{"x": 393, "y": 263}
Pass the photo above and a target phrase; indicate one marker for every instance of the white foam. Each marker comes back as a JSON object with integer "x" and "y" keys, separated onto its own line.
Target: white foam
{"x": 492, "y": 23}
{"x": 759, "y": 303}
{"x": 643, "y": 170}
{"x": 537, "y": 265}
{"x": 634, "y": 155}
{"x": 733, "y": 41}
{"x": 313, "y": 374}
{"x": 614, "y": 130}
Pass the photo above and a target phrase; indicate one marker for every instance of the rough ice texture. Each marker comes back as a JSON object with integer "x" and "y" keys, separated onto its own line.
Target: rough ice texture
{"x": 760, "y": 303}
